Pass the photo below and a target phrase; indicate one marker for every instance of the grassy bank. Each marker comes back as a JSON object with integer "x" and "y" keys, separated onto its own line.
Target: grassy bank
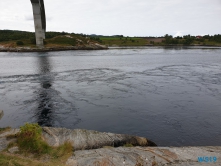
{"x": 7, "y": 159}
{"x": 32, "y": 150}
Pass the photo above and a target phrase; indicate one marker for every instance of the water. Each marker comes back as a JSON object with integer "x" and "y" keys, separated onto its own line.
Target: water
{"x": 171, "y": 96}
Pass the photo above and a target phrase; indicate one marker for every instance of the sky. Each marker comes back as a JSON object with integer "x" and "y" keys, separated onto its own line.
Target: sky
{"x": 118, "y": 17}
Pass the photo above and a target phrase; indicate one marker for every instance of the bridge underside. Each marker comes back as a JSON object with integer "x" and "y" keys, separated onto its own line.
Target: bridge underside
{"x": 39, "y": 21}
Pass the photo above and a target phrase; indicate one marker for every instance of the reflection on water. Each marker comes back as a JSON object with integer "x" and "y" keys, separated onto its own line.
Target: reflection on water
{"x": 44, "y": 113}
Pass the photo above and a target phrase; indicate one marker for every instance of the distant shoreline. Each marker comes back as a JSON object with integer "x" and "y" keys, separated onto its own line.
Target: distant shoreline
{"x": 89, "y": 47}
{"x": 50, "y": 49}
{"x": 167, "y": 46}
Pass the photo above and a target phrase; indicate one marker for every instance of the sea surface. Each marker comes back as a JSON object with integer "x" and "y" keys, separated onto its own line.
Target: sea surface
{"x": 169, "y": 95}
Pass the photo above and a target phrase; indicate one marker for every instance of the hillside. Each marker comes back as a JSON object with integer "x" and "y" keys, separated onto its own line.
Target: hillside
{"x": 25, "y": 41}
{"x": 62, "y": 40}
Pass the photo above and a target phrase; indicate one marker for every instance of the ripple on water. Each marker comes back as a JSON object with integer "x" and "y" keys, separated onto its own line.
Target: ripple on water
{"x": 172, "y": 98}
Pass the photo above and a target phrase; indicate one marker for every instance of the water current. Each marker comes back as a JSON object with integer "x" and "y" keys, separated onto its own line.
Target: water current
{"x": 169, "y": 95}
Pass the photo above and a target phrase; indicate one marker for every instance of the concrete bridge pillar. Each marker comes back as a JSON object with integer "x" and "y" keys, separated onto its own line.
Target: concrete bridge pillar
{"x": 39, "y": 21}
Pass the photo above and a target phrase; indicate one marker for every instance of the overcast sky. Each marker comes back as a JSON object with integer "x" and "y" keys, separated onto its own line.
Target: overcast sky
{"x": 116, "y": 17}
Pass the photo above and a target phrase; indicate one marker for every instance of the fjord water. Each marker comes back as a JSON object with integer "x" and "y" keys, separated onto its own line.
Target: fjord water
{"x": 171, "y": 96}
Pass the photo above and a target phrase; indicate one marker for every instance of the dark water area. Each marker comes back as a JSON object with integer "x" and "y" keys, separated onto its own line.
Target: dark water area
{"x": 171, "y": 96}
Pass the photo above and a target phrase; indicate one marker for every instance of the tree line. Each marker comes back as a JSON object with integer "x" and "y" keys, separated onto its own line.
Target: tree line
{"x": 188, "y": 39}
{"x": 13, "y": 35}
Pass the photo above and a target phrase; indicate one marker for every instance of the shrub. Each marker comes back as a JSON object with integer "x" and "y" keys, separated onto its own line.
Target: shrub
{"x": 29, "y": 139}
{"x": 19, "y": 43}
{"x": 65, "y": 149}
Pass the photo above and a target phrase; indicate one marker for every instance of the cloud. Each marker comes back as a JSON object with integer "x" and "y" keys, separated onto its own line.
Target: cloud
{"x": 127, "y": 17}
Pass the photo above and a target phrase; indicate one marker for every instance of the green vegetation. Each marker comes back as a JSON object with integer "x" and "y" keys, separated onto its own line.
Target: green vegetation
{"x": 8, "y": 160}
{"x": 63, "y": 40}
{"x": 20, "y": 38}
{"x": 18, "y": 160}
{"x": 8, "y": 35}
{"x": 29, "y": 139}
{"x": 32, "y": 146}
{"x": 189, "y": 40}
{"x": 123, "y": 41}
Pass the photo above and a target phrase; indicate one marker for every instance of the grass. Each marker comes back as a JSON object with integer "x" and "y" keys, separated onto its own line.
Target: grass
{"x": 33, "y": 150}
{"x": 62, "y": 40}
{"x": 18, "y": 160}
{"x": 11, "y": 160}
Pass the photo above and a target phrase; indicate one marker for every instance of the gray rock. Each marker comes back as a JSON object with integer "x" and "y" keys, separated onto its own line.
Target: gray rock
{"x": 3, "y": 138}
{"x": 80, "y": 139}
{"x": 89, "y": 46}
{"x": 88, "y": 139}
{"x": 145, "y": 156}
{"x": 103, "y": 152}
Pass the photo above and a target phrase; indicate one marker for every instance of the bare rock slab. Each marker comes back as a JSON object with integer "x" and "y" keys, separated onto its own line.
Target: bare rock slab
{"x": 145, "y": 156}
{"x": 80, "y": 139}
{"x": 89, "y": 139}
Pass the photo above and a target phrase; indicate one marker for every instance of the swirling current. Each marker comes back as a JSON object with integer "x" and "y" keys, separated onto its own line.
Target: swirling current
{"x": 171, "y": 96}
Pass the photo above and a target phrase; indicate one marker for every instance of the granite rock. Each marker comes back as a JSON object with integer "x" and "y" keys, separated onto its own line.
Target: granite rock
{"x": 89, "y": 139}
{"x": 145, "y": 156}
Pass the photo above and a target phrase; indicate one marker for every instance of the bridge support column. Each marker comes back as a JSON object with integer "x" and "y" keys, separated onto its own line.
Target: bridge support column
{"x": 39, "y": 21}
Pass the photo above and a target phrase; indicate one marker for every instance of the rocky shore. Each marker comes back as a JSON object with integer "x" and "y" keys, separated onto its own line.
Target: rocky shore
{"x": 81, "y": 139}
{"x": 147, "y": 156}
{"x": 108, "y": 149}
{"x": 94, "y": 46}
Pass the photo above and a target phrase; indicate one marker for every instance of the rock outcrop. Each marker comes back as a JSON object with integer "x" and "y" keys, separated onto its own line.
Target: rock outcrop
{"x": 81, "y": 139}
{"x": 3, "y": 138}
{"x": 147, "y": 156}
{"x": 88, "y": 139}
{"x": 91, "y": 46}
{"x": 103, "y": 152}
